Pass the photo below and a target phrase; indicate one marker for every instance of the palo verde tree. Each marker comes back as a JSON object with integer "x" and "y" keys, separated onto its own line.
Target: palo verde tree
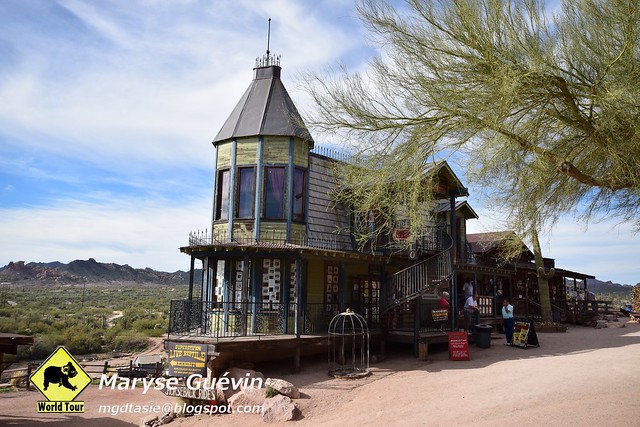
{"x": 513, "y": 91}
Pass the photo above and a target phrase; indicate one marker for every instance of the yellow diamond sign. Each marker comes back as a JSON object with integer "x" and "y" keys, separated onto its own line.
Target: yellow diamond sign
{"x": 60, "y": 379}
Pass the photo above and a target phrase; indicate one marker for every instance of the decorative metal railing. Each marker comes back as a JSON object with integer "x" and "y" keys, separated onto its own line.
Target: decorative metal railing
{"x": 422, "y": 277}
{"x": 272, "y": 238}
{"x": 236, "y": 319}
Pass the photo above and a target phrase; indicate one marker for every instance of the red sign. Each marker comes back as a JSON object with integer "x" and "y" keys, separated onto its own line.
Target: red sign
{"x": 458, "y": 346}
{"x": 401, "y": 233}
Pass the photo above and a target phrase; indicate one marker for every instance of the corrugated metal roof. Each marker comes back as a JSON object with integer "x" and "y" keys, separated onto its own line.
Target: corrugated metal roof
{"x": 265, "y": 109}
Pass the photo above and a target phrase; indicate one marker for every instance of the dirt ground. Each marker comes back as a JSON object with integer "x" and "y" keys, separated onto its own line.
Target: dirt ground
{"x": 585, "y": 377}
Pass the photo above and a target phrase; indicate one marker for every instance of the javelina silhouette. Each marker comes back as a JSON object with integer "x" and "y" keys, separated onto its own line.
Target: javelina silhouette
{"x": 60, "y": 375}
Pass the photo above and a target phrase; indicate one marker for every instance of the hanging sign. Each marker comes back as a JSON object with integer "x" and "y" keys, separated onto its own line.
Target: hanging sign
{"x": 458, "y": 346}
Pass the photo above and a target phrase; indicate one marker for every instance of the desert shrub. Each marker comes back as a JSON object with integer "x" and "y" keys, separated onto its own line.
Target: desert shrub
{"x": 82, "y": 340}
{"x": 152, "y": 327}
{"x": 42, "y": 347}
{"x": 129, "y": 343}
{"x": 11, "y": 325}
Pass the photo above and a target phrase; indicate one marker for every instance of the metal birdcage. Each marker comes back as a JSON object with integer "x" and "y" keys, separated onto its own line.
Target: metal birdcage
{"x": 348, "y": 346}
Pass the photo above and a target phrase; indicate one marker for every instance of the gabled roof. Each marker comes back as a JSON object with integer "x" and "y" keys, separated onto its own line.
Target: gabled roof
{"x": 265, "y": 109}
{"x": 448, "y": 177}
{"x": 463, "y": 206}
{"x": 490, "y": 242}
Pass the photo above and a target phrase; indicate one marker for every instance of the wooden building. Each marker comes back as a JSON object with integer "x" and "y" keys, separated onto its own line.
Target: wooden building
{"x": 279, "y": 260}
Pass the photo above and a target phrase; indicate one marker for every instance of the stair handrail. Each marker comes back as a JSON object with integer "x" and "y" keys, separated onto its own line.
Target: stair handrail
{"x": 443, "y": 256}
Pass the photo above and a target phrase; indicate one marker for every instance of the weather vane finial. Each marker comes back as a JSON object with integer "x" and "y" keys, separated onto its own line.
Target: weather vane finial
{"x": 268, "y": 59}
{"x": 268, "y": 36}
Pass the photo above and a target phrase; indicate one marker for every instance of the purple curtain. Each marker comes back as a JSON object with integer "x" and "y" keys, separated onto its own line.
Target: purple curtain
{"x": 223, "y": 195}
{"x": 245, "y": 198}
{"x": 275, "y": 193}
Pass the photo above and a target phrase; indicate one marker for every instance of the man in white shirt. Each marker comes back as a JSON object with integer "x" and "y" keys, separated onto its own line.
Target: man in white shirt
{"x": 507, "y": 319}
{"x": 467, "y": 290}
{"x": 471, "y": 312}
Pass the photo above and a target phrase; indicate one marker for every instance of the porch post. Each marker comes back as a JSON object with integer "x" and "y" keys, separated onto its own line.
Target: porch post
{"x": 191, "y": 273}
{"x": 244, "y": 307}
{"x": 454, "y": 284}
{"x": 301, "y": 300}
{"x": 285, "y": 291}
{"x": 227, "y": 293}
{"x": 342, "y": 286}
{"x": 255, "y": 294}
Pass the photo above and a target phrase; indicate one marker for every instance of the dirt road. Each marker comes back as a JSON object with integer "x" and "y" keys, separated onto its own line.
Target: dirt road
{"x": 585, "y": 377}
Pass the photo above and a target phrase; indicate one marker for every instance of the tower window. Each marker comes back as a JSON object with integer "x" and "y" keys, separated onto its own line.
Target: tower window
{"x": 245, "y": 192}
{"x": 274, "y": 193}
{"x": 299, "y": 187}
{"x": 222, "y": 200}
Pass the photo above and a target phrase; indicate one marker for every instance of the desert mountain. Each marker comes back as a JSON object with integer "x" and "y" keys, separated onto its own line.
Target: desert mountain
{"x": 599, "y": 287}
{"x": 89, "y": 271}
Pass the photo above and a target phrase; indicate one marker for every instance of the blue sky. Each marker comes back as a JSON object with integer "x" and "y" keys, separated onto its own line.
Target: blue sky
{"x": 108, "y": 109}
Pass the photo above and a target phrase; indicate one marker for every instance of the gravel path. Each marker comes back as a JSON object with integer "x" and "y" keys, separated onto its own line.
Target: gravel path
{"x": 585, "y": 377}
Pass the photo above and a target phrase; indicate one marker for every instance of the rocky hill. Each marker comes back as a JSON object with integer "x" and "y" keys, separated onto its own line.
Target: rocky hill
{"x": 599, "y": 287}
{"x": 89, "y": 271}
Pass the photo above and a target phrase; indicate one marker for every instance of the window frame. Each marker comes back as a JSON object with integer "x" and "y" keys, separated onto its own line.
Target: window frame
{"x": 300, "y": 217}
{"x": 238, "y": 189}
{"x": 266, "y": 193}
{"x": 219, "y": 211}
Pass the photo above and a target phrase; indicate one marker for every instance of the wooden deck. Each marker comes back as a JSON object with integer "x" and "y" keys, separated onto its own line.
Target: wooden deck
{"x": 261, "y": 348}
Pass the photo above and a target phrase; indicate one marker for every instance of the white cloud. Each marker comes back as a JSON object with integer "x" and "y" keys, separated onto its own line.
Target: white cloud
{"x": 607, "y": 250}
{"x": 141, "y": 233}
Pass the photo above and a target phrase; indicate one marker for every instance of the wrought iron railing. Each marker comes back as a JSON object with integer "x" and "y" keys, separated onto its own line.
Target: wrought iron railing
{"x": 236, "y": 319}
{"x": 422, "y": 277}
{"x": 272, "y": 238}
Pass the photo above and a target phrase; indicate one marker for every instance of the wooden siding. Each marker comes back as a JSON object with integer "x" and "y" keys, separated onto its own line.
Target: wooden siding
{"x": 324, "y": 218}
{"x": 224, "y": 155}
{"x": 247, "y": 151}
{"x": 243, "y": 229}
{"x": 273, "y": 230}
{"x": 275, "y": 149}
{"x": 298, "y": 232}
{"x": 300, "y": 152}
{"x": 220, "y": 229}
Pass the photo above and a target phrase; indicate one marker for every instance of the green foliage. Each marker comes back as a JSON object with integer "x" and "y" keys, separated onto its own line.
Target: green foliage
{"x": 535, "y": 107}
{"x": 270, "y": 392}
{"x": 62, "y": 315}
{"x": 129, "y": 343}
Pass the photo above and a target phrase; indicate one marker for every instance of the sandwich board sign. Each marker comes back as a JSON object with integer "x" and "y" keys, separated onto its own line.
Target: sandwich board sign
{"x": 524, "y": 334}
{"x": 458, "y": 346}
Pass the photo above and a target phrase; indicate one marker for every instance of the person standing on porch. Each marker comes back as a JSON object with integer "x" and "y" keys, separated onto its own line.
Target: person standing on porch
{"x": 467, "y": 289}
{"x": 507, "y": 319}
{"x": 471, "y": 312}
{"x": 443, "y": 304}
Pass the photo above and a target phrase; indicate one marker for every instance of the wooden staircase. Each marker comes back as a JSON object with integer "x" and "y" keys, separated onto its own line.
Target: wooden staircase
{"x": 406, "y": 288}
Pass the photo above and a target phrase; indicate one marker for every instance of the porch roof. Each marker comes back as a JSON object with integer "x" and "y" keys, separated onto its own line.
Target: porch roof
{"x": 269, "y": 248}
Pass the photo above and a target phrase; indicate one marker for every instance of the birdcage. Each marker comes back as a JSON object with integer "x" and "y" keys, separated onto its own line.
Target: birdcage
{"x": 348, "y": 346}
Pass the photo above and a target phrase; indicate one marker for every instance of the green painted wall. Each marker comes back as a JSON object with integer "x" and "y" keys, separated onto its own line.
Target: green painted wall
{"x": 224, "y": 155}
{"x": 247, "y": 151}
{"x": 275, "y": 149}
{"x": 300, "y": 152}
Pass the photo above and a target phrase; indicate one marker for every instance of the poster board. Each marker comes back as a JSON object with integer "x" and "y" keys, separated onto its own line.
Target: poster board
{"x": 440, "y": 315}
{"x": 186, "y": 359}
{"x": 524, "y": 334}
{"x": 458, "y": 346}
